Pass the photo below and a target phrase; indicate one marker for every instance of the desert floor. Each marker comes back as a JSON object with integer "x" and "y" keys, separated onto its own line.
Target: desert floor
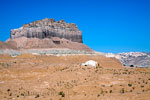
{"x": 30, "y": 77}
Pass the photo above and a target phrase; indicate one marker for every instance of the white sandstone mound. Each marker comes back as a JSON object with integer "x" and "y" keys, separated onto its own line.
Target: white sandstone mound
{"x": 90, "y": 63}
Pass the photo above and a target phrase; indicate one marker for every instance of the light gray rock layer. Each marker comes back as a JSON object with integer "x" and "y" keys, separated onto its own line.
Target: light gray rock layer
{"x": 48, "y": 28}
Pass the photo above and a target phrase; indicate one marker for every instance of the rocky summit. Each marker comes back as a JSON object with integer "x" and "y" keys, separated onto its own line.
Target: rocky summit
{"x": 48, "y": 28}
{"x": 48, "y": 33}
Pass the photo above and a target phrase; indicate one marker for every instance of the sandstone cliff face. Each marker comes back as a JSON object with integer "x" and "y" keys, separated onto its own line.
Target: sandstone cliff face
{"x": 48, "y": 28}
{"x": 48, "y": 34}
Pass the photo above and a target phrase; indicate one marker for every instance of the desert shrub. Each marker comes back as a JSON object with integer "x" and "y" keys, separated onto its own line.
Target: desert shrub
{"x": 61, "y": 93}
{"x": 102, "y": 92}
{"x": 143, "y": 81}
{"x": 122, "y": 91}
{"x": 146, "y": 82}
{"x": 22, "y": 94}
{"x": 133, "y": 88}
{"x": 110, "y": 91}
{"x": 142, "y": 86}
{"x": 10, "y": 94}
{"x": 124, "y": 72}
{"x": 98, "y": 95}
{"x": 129, "y": 85}
{"x": 129, "y": 73}
{"x": 8, "y": 90}
{"x": 143, "y": 90}
{"x": 37, "y": 96}
{"x": 139, "y": 83}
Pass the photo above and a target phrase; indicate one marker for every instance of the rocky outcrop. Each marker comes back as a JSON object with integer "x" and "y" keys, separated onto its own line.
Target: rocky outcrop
{"x": 48, "y": 34}
{"x": 48, "y": 28}
{"x": 138, "y": 59}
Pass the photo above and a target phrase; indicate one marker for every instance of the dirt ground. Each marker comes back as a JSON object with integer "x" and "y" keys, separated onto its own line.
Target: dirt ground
{"x": 30, "y": 77}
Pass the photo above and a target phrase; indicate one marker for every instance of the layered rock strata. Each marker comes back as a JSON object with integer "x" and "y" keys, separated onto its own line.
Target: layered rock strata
{"x": 48, "y": 28}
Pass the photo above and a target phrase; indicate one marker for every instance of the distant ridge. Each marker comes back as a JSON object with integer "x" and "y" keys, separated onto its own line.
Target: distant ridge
{"x": 133, "y": 59}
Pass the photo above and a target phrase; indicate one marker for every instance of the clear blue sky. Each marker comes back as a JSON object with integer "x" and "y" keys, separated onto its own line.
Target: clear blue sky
{"x": 107, "y": 25}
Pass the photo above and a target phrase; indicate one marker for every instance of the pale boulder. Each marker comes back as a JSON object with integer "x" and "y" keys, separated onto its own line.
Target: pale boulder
{"x": 90, "y": 63}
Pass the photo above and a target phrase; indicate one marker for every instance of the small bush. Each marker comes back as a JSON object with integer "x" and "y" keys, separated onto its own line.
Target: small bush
{"x": 129, "y": 85}
{"x": 102, "y": 92}
{"x": 37, "y": 96}
{"x": 146, "y": 82}
{"x": 22, "y": 94}
{"x": 10, "y": 94}
{"x": 133, "y": 88}
{"x": 142, "y": 86}
{"x": 110, "y": 91}
{"x": 61, "y": 93}
{"x": 98, "y": 95}
{"x": 8, "y": 90}
{"x": 122, "y": 91}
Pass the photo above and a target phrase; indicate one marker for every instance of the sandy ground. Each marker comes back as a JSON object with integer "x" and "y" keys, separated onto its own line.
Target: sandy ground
{"x": 29, "y": 77}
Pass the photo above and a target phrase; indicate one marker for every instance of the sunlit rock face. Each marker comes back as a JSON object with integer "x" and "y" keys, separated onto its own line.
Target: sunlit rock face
{"x": 48, "y": 28}
{"x": 48, "y": 33}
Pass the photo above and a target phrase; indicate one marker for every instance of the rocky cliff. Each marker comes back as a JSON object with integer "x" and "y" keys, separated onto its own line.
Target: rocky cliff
{"x": 137, "y": 59}
{"x": 48, "y": 28}
{"x": 48, "y": 34}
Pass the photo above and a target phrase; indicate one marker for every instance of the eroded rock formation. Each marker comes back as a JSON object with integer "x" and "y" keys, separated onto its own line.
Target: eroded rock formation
{"x": 48, "y": 28}
{"x": 47, "y": 34}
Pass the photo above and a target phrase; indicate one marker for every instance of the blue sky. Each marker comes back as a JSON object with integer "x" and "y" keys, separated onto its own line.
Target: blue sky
{"x": 107, "y": 25}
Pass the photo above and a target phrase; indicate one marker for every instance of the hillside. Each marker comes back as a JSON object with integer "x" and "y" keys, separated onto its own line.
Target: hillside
{"x": 30, "y": 77}
{"x": 9, "y": 45}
